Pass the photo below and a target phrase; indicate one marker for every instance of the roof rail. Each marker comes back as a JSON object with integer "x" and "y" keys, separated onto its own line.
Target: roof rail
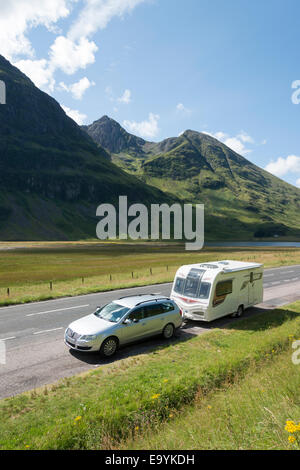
{"x": 156, "y": 300}
{"x": 136, "y": 295}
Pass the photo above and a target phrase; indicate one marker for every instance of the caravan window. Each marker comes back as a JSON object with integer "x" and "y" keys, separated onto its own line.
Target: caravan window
{"x": 204, "y": 290}
{"x": 193, "y": 286}
{"x": 193, "y": 283}
{"x": 224, "y": 288}
{"x": 179, "y": 284}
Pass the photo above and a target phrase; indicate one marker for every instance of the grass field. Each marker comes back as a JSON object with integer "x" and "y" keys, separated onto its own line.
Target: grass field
{"x": 101, "y": 408}
{"x": 80, "y": 268}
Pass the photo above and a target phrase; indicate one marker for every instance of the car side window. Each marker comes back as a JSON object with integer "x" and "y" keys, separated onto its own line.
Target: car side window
{"x": 167, "y": 307}
{"x": 137, "y": 314}
{"x": 154, "y": 310}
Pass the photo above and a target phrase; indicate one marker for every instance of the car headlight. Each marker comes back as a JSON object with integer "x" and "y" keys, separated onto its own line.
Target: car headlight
{"x": 88, "y": 338}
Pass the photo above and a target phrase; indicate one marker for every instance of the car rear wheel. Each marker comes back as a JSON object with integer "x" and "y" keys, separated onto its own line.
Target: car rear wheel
{"x": 109, "y": 347}
{"x": 168, "y": 331}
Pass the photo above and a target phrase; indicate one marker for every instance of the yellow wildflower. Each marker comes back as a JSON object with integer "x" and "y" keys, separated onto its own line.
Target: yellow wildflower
{"x": 209, "y": 407}
{"x": 156, "y": 396}
{"x": 291, "y": 427}
{"x": 292, "y": 439}
{"x": 78, "y": 418}
{"x": 137, "y": 428}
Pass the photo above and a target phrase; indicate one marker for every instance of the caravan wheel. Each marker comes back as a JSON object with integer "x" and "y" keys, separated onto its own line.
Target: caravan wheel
{"x": 239, "y": 312}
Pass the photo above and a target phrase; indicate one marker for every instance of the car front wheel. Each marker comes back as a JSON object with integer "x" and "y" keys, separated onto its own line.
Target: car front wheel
{"x": 109, "y": 347}
{"x": 168, "y": 331}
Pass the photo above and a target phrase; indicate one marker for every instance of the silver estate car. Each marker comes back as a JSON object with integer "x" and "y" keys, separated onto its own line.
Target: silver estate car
{"x": 123, "y": 321}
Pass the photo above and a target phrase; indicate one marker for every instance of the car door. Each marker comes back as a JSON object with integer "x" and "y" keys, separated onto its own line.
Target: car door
{"x": 135, "y": 328}
{"x": 154, "y": 318}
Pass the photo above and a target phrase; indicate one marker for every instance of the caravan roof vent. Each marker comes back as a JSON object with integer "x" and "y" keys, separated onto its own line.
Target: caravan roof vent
{"x": 209, "y": 266}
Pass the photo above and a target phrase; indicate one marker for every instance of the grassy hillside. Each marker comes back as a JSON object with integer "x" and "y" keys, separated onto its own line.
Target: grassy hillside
{"x": 99, "y": 409}
{"x": 52, "y": 175}
{"x": 242, "y": 201}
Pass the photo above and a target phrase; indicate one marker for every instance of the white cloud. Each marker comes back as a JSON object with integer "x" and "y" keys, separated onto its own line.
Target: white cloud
{"x": 244, "y": 137}
{"x": 182, "y": 109}
{"x": 97, "y": 14}
{"x": 236, "y": 143}
{"x": 70, "y": 51}
{"x": 38, "y": 71}
{"x": 19, "y": 16}
{"x": 74, "y": 114}
{"x": 126, "y": 97}
{"x": 147, "y": 129}
{"x": 70, "y": 56}
{"x": 77, "y": 89}
{"x": 283, "y": 166}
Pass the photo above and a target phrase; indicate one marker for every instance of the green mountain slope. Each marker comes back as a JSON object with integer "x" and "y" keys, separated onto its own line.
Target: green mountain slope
{"x": 52, "y": 174}
{"x": 242, "y": 200}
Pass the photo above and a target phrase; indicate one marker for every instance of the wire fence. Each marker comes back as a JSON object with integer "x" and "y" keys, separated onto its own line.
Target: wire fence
{"x": 57, "y": 288}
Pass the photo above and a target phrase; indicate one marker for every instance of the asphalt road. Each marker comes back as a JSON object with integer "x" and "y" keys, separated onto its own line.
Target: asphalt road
{"x": 33, "y": 333}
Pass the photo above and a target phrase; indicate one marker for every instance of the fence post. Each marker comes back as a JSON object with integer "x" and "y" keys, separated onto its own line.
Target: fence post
{"x": 151, "y": 271}
{"x": 8, "y": 292}
{"x": 110, "y": 277}
{"x": 132, "y": 275}
{"x": 82, "y": 280}
{"x": 51, "y": 286}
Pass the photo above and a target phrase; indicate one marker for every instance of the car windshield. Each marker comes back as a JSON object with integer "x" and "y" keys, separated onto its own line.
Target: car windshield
{"x": 112, "y": 312}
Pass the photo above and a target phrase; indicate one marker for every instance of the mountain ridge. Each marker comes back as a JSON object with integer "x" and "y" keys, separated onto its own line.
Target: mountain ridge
{"x": 52, "y": 174}
{"x": 242, "y": 198}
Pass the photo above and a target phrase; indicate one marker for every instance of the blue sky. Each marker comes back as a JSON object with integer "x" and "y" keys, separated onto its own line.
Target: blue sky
{"x": 162, "y": 66}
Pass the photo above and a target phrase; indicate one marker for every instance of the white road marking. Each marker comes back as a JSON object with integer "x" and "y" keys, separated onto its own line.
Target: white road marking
{"x": 267, "y": 275}
{"x": 57, "y": 310}
{"x": 47, "y": 331}
{"x": 274, "y": 283}
{"x": 289, "y": 272}
{"x": 6, "y": 339}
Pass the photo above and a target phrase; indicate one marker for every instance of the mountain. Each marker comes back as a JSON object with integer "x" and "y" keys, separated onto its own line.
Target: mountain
{"x": 242, "y": 201}
{"x": 52, "y": 174}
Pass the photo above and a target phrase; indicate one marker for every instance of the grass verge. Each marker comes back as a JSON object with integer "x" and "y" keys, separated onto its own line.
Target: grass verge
{"x": 249, "y": 414}
{"x": 101, "y": 408}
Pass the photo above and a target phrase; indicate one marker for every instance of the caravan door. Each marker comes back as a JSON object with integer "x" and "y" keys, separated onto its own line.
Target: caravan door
{"x": 251, "y": 292}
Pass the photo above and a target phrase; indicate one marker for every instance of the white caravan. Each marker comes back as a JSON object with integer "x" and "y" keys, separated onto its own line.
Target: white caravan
{"x": 209, "y": 291}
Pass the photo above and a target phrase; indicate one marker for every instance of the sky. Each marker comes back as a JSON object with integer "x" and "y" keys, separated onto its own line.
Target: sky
{"x": 229, "y": 68}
